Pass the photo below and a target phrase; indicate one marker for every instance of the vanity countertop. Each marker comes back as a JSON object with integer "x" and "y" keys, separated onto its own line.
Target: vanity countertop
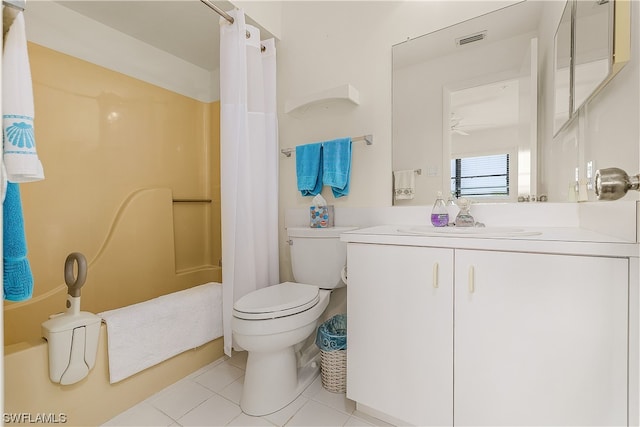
{"x": 557, "y": 240}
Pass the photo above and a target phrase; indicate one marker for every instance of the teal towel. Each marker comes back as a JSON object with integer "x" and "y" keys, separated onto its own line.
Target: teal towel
{"x": 17, "y": 278}
{"x": 309, "y": 168}
{"x": 336, "y": 165}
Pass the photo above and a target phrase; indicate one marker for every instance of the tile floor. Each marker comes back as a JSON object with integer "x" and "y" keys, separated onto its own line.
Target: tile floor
{"x": 211, "y": 396}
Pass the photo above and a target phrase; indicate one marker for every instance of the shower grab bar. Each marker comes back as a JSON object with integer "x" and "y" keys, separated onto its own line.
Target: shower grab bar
{"x": 226, "y": 16}
{"x": 191, "y": 200}
{"x": 368, "y": 139}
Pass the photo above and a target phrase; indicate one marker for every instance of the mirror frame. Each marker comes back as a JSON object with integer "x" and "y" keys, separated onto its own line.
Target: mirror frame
{"x": 561, "y": 55}
{"x": 620, "y": 35}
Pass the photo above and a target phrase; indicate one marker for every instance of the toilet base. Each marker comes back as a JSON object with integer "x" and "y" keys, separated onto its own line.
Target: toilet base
{"x": 272, "y": 381}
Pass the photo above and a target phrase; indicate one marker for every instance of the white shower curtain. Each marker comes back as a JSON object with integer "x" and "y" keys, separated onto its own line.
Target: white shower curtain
{"x": 248, "y": 163}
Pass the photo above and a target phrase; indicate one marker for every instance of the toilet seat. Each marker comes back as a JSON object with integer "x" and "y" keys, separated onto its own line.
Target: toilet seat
{"x": 284, "y": 299}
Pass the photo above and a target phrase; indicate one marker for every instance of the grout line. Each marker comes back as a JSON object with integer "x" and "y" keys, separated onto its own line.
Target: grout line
{"x": 296, "y": 412}
{"x": 192, "y": 378}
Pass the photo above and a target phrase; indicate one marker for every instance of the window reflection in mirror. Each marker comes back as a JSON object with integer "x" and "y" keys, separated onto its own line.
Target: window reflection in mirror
{"x": 489, "y": 134}
{"x": 482, "y": 176}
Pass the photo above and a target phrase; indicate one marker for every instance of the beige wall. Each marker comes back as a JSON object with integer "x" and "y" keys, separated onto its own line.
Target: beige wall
{"x": 102, "y": 137}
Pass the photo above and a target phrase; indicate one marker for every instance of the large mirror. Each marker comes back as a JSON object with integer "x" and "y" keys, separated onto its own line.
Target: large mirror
{"x": 465, "y": 109}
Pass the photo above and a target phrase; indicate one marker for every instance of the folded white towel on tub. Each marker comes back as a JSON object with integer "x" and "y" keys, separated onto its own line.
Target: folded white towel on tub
{"x": 145, "y": 334}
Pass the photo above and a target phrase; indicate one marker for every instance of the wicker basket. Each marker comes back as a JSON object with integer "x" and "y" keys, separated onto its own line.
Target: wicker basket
{"x": 333, "y": 368}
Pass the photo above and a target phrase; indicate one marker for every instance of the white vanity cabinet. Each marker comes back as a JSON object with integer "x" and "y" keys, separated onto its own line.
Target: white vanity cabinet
{"x": 400, "y": 331}
{"x": 540, "y": 339}
{"x": 448, "y": 336}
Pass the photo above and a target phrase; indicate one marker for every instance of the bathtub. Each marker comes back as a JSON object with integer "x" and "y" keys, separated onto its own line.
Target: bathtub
{"x": 92, "y": 401}
{"x": 136, "y": 262}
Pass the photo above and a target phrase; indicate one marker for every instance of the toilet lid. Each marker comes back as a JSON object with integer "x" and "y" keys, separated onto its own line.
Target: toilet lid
{"x": 279, "y": 300}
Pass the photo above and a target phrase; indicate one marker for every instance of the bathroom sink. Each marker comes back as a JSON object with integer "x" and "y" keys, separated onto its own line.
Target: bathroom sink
{"x": 426, "y": 230}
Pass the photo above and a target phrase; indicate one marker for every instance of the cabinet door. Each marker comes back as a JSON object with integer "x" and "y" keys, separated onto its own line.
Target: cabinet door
{"x": 540, "y": 339}
{"x": 400, "y": 331}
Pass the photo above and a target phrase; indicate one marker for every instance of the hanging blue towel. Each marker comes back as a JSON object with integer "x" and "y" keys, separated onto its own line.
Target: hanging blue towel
{"x": 336, "y": 165}
{"x": 309, "y": 168}
{"x": 17, "y": 279}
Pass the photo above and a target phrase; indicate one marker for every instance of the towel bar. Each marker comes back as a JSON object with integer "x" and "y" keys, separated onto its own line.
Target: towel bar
{"x": 368, "y": 139}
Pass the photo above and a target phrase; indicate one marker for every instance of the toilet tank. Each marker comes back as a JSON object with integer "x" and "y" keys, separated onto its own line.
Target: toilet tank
{"x": 318, "y": 255}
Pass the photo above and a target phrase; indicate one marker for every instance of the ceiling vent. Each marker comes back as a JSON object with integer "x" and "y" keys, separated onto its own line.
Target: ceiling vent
{"x": 471, "y": 38}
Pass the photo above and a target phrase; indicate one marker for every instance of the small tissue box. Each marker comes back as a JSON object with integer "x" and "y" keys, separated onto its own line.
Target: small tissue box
{"x": 321, "y": 216}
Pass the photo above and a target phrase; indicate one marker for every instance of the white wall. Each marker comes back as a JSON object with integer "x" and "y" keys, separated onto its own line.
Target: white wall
{"x": 609, "y": 128}
{"x": 607, "y": 131}
{"x": 325, "y": 44}
{"x": 267, "y": 13}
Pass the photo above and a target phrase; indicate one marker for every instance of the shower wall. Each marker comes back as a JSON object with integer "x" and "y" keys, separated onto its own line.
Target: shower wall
{"x": 103, "y": 136}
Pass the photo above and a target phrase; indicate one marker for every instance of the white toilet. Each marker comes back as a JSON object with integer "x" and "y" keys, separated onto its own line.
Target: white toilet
{"x": 271, "y": 321}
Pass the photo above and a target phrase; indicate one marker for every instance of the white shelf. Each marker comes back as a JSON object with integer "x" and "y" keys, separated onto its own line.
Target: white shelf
{"x": 344, "y": 92}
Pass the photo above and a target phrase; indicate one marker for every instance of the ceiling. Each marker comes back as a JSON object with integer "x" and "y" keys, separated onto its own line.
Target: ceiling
{"x": 487, "y": 106}
{"x": 502, "y": 24}
{"x": 187, "y": 29}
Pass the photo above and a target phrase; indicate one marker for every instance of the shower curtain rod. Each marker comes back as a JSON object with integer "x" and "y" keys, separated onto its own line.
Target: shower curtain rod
{"x": 15, "y": 4}
{"x": 219, "y": 11}
{"x": 9, "y": 13}
{"x": 226, "y": 16}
